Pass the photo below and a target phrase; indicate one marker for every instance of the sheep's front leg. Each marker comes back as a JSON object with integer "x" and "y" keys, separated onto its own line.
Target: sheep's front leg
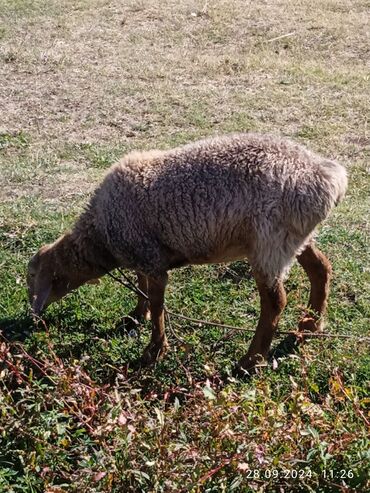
{"x": 141, "y": 311}
{"x": 273, "y": 301}
{"x": 318, "y": 269}
{"x": 158, "y": 343}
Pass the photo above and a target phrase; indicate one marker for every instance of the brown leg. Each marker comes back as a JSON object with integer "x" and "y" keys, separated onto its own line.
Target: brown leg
{"x": 319, "y": 270}
{"x": 141, "y": 312}
{"x": 158, "y": 343}
{"x": 273, "y": 301}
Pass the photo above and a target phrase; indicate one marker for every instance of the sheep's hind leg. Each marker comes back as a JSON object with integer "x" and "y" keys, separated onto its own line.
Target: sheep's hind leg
{"x": 273, "y": 301}
{"x": 318, "y": 269}
{"x": 158, "y": 343}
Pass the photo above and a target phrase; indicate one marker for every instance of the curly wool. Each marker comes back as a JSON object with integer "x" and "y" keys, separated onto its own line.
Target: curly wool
{"x": 250, "y": 196}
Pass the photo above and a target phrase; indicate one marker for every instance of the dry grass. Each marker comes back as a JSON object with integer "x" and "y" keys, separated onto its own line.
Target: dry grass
{"x": 140, "y": 74}
{"x": 101, "y": 71}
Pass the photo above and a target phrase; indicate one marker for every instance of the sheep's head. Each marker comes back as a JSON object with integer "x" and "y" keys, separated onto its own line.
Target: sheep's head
{"x": 45, "y": 283}
{"x": 51, "y": 276}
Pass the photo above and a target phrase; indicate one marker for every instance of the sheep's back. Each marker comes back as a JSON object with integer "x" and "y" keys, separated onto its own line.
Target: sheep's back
{"x": 232, "y": 190}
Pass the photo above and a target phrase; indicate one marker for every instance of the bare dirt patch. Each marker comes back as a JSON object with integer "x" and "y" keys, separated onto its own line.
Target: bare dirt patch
{"x": 102, "y": 71}
{"x": 69, "y": 187}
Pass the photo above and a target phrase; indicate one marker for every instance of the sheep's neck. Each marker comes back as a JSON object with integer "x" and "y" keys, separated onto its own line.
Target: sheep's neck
{"x": 85, "y": 255}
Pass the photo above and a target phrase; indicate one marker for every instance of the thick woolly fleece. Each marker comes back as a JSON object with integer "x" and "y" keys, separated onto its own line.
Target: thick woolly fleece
{"x": 239, "y": 196}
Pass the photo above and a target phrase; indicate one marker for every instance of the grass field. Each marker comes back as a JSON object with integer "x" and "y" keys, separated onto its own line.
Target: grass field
{"x": 84, "y": 81}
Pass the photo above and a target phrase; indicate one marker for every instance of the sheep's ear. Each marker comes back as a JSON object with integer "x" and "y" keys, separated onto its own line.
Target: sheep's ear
{"x": 93, "y": 281}
{"x": 41, "y": 295}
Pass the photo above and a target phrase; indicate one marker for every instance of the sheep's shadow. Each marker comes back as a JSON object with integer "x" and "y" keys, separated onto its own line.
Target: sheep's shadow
{"x": 20, "y": 328}
{"x": 17, "y": 328}
{"x": 288, "y": 346}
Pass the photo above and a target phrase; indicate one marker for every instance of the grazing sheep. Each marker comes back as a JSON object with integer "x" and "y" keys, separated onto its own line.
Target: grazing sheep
{"x": 217, "y": 200}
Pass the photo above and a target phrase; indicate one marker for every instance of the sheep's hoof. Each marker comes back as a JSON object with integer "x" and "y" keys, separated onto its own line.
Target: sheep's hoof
{"x": 309, "y": 324}
{"x": 249, "y": 365}
{"x": 153, "y": 352}
{"x": 129, "y": 324}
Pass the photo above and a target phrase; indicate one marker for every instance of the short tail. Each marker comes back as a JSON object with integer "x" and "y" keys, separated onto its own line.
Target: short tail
{"x": 336, "y": 176}
{"x": 311, "y": 201}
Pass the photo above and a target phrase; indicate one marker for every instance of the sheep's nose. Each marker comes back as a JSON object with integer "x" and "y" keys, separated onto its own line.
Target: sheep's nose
{"x": 34, "y": 311}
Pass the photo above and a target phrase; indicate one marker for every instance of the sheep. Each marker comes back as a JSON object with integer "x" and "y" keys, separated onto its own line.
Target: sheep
{"x": 240, "y": 196}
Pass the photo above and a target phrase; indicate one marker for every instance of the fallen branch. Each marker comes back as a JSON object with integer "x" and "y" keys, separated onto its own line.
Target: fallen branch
{"x": 287, "y": 332}
{"x": 299, "y": 334}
